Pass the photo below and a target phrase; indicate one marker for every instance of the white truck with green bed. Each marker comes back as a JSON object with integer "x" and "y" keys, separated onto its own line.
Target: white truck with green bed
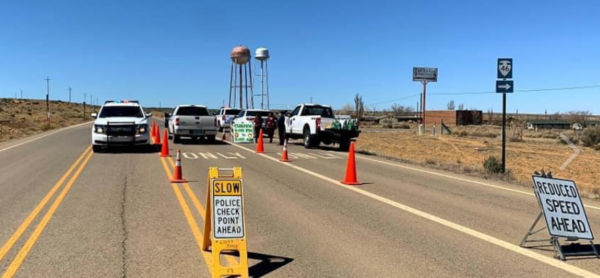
{"x": 316, "y": 124}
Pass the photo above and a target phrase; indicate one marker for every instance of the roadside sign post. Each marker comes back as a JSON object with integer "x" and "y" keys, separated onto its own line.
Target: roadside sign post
{"x": 424, "y": 75}
{"x": 565, "y": 217}
{"x": 504, "y": 86}
{"x": 225, "y": 220}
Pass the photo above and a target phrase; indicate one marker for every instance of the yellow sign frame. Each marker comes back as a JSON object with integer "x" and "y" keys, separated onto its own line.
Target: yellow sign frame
{"x": 219, "y": 245}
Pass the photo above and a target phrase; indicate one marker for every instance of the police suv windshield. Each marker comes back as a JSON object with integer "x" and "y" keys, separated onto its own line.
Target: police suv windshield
{"x": 121, "y": 111}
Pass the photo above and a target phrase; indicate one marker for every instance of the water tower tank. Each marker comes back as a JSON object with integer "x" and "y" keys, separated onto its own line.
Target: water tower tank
{"x": 262, "y": 54}
{"x": 240, "y": 55}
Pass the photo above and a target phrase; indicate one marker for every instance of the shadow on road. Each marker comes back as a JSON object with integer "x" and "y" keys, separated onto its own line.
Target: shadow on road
{"x": 267, "y": 264}
{"x": 199, "y": 142}
{"x": 331, "y": 148}
{"x": 132, "y": 149}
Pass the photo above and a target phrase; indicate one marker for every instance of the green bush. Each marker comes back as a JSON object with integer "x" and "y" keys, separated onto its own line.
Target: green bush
{"x": 493, "y": 165}
{"x": 573, "y": 139}
{"x": 591, "y": 137}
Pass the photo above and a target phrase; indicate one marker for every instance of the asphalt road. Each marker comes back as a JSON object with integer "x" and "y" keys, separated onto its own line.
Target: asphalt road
{"x": 68, "y": 212}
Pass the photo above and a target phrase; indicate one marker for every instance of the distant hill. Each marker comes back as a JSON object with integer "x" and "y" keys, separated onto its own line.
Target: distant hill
{"x": 22, "y": 118}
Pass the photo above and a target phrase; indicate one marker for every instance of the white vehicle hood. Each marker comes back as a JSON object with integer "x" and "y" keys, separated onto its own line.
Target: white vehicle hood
{"x": 104, "y": 121}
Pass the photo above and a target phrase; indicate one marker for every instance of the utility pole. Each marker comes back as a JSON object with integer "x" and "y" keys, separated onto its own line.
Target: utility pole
{"x": 69, "y": 94}
{"x": 310, "y": 99}
{"x": 21, "y": 94}
{"x": 84, "y": 98}
{"x": 48, "y": 100}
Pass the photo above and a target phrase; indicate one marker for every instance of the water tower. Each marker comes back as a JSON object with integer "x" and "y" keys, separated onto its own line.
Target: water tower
{"x": 240, "y": 81}
{"x": 262, "y": 54}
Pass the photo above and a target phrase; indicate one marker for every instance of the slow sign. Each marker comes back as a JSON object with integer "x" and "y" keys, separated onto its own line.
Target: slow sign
{"x": 563, "y": 209}
{"x": 228, "y": 219}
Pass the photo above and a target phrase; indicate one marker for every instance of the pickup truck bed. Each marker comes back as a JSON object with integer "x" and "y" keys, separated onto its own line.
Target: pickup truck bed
{"x": 192, "y": 121}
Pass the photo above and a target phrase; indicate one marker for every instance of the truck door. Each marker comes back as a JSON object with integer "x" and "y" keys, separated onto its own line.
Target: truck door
{"x": 293, "y": 122}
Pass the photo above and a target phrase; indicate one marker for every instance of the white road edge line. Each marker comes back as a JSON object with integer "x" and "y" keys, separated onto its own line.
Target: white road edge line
{"x": 456, "y": 178}
{"x": 46, "y": 135}
{"x": 509, "y": 246}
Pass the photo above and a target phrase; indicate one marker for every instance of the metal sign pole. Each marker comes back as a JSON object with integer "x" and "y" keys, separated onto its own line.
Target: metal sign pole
{"x": 424, "y": 103}
{"x": 504, "y": 132}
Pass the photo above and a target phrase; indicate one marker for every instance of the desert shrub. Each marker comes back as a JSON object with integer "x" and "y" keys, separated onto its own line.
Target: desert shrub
{"x": 574, "y": 139}
{"x": 591, "y": 137}
{"x": 492, "y": 165}
{"x": 404, "y": 126}
{"x": 46, "y": 127}
{"x": 430, "y": 161}
{"x": 463, "y": 133}
{"x": 388, "y": 123}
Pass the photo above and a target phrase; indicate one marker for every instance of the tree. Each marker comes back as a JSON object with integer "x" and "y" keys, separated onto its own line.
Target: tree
{"x": 359, "y": 105}
{"x": 401, "y": 110}
{"x": 461, "y": 107}
{"x": 346, "y": 109}
{"x": 578, "y": 116}
{"x": 450, "y": 105}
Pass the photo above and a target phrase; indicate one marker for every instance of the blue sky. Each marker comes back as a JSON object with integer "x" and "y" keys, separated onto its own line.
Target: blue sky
{"x": 178, "y": 51}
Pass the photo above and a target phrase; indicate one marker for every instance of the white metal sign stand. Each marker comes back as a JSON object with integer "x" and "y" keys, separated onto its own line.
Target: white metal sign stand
{"x": 561, "y": 252}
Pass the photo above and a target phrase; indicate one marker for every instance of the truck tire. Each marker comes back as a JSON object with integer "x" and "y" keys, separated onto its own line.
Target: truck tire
{"x": 344, "y": 145}
{"x": 210, "y": 139}
{"x": 96, "y": 148}
{"x": 310, "y": 141}
{"x": 176, "y": 139}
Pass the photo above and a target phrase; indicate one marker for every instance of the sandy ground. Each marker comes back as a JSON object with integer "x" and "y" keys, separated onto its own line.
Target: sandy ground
{"x": 467, "y": 154}
{"x": 21, "y": 118}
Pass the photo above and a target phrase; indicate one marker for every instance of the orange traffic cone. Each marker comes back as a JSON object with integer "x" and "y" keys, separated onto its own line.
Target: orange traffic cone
{"x": 224, "y": 138}
{"x": 177, "y": 172}
{"x": 157, "y": 136}
{"x": 152, "y": 130}
{"x": 350, "y": 178}
{"x": 165, "y": 145}
{"x": 260, "y": 148}
{"x": 284, "y": 156}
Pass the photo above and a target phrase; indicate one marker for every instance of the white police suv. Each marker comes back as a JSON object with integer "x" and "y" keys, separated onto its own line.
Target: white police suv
{"x": 120, "y": 123}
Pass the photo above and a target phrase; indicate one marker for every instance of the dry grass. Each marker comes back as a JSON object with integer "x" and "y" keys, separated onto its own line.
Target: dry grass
{"x": 466, "y": 154}
{"x": 21, "y": 118}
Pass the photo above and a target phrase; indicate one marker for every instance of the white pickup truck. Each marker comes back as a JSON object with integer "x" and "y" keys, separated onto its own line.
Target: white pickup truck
{"x": 317, "y": 124}
{"x": 192, "y": 121}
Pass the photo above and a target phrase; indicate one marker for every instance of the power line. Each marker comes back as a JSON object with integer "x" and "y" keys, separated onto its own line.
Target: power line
{"x": 483, "y": 93}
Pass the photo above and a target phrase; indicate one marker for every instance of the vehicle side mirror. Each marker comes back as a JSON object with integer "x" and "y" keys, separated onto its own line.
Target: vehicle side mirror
{"x": 167, "y": 115}
{"x": 94, "y": 115}
{"x": 148, "y": 115}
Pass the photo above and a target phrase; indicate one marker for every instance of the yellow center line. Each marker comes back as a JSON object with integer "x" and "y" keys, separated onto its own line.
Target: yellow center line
{"x": 16, "y": 263}
{"x": 190, "y": 219}
{"x": 19, "y": 232}
{"x": 230, "y": 259}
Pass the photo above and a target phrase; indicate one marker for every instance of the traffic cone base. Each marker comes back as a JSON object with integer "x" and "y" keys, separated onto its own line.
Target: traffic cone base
{"x": 164, "y": 152}
{"x": 350, "y": 178}
{"x": 260, "y": 147}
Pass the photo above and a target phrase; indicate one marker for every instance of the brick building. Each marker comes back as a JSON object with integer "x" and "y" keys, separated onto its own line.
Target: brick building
{"x": 454, "y": 117}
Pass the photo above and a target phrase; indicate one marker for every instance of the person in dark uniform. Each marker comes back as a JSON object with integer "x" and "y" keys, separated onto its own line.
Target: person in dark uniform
{"x": 257, "y": 127}
{"x": 281, "y": 127}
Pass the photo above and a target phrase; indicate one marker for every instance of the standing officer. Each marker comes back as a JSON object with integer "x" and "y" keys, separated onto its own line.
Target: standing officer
{"x": 281, "y": 127}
